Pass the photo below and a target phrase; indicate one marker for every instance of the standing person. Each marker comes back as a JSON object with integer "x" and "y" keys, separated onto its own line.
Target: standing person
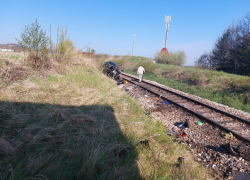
{"x": 140, "y": 72}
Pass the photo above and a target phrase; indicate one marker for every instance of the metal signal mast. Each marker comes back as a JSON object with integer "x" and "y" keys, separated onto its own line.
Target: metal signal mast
{"x": 133, "y": 44}
{"x": 167, "y": 20}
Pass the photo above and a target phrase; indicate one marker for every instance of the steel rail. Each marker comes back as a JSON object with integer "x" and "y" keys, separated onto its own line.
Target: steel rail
{"x": 197, "y": 102}
{"x": 193, "y": 112}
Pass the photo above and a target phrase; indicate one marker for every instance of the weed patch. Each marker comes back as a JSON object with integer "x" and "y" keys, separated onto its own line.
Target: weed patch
{"x": 13, "y": 72}
{"x": 52, "y": 78}
{"x": 38, "y": 60}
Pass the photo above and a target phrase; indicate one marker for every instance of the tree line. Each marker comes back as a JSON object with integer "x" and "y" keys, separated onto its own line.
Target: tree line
{"x": 231, "y": 52}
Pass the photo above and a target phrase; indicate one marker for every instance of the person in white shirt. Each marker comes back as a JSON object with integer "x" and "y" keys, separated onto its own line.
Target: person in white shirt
{"x": 140, "y": 72}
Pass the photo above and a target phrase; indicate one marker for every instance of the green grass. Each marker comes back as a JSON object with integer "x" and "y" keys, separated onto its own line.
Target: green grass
{"x": 52, "y": 78}
{"x": 10, "y": 57}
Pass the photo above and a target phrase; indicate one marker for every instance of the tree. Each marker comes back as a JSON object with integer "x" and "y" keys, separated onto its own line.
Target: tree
{"x": 65, "y": 47}
{"x": 220, "y": 52}
{"x": 204, "y": 61}
{"x": 33, "y": 38}
{"x": 231, "y": 52}
{"x": 34, "y": 41}
{"x": 244, "y": 44}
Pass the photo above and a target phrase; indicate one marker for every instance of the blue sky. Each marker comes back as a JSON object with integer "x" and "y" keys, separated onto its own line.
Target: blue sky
{"x": 109, "y": 25}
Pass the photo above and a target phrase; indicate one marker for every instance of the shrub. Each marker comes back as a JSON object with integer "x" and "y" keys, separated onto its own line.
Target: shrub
{"x": 174, "y": 58}
{"x": 38, "y": 60}
{"x": 65, "y": 47}
{"x": 12, "y": 72}
{"x": 148, "y": 66}
{"x": 197, "y": 78}
{"x": 65, "y": 51}
{"x": 34, "y": 41}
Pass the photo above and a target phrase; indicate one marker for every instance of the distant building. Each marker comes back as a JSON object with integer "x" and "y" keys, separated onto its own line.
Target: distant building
{"x": 7, "y": 50}
{"x": 18, "y": 50}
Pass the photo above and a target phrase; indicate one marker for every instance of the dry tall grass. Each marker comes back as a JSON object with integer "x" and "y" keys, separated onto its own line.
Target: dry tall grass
{"x": 11, "y": 55}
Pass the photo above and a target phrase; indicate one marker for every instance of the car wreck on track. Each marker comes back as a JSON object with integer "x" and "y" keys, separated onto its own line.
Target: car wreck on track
{"x": 112, "y": 70}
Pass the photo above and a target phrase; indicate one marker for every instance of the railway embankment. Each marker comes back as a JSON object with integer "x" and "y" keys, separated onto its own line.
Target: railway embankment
{"x": 227, "y": 89}
{"x": 72, "y": 122}
{"x": 213, "y": 147}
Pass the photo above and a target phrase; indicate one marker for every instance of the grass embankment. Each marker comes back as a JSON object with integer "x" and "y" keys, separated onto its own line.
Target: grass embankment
{"x": 79, "y": 125}
{"x": 224, "y": 88}
{"x": 10, "y": 55}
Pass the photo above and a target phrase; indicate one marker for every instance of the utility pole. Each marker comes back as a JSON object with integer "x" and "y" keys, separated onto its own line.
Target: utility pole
{"x": 167, "y": 21}
{"x": 133, "y": 44}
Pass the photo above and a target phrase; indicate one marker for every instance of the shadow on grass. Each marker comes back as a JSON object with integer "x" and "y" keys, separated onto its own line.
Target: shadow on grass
{"x": 46, "y": 141}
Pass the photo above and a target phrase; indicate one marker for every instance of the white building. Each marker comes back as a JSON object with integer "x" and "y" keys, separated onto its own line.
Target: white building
{"x": 7, "y": 50}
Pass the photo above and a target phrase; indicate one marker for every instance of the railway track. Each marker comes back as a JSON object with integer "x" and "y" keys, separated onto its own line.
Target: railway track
{"x": 238, "y": 126}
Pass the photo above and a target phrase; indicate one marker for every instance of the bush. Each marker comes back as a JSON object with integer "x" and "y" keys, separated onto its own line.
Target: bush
{"x": 65, "y": 51}
{"x": 197, "y": 78}
{"x": 34, "y": 41}
{"x": 12, "y": 72}
{"x": 38, "y": 60}
{"x": 65, "y": 46}
{"x": 174, "y": 58}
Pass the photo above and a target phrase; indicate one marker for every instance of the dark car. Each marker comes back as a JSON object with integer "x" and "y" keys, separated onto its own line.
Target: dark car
{"x": 112, "y": 69}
